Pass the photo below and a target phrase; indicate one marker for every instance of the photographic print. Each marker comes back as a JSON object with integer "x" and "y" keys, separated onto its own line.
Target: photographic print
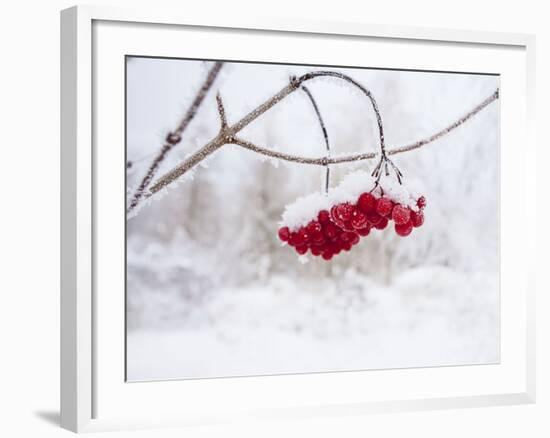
{"x": 286, "y": 218}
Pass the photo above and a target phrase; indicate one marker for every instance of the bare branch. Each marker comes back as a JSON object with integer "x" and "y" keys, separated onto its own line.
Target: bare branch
{"x": 323, "y": 161}
{"x": 221, "y": 111}
{"x": 449, "y": 128}
{"x": 173, "y": 138}
{"x": 320, "y": 161}
{"x": 228, "y": 135}
{"x": 230, "y": 131}
{"x": 294, "y": 84}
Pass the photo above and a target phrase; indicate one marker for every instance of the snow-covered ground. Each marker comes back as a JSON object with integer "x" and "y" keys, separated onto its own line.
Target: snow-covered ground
{"x": 211, "y": 291}
{"x": 429, "y": 316}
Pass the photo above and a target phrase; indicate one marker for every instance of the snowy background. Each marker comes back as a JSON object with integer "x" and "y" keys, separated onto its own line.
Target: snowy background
{"x": 210, "y": 290}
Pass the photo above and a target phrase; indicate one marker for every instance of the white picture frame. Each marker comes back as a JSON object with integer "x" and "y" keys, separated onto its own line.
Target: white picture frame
{"x": 90, "y": 361}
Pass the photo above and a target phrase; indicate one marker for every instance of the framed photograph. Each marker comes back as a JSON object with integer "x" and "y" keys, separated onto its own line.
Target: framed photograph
{"x": 266, "y": 220}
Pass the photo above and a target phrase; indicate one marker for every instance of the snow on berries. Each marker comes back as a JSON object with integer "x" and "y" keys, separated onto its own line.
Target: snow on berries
{"x": 327, "y": 224}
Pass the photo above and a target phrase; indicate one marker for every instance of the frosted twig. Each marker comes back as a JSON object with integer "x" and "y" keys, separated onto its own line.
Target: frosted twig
{"x": 364, "y": 90}
{"x": 325, "y": 134}
{"x": 221, "y": 111}
{"x": 227, "y": 134}
{"x": 323, "y": 161}
{"x": 173, "y": 138}
{"x": 320, "y": 161}
{"x": 449, "y": 128}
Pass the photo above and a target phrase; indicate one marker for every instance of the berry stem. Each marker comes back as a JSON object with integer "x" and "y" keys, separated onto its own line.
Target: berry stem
{"x": 325, "y": 135}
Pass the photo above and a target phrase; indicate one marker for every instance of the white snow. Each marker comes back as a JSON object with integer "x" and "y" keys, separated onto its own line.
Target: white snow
{"x": 427, "y": 316}
{"x": 304, "y": 209}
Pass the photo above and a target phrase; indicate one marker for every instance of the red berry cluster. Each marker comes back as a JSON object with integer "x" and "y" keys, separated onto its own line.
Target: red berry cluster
{"x": 341, "y": 228}
{"x": 322, "y": 236}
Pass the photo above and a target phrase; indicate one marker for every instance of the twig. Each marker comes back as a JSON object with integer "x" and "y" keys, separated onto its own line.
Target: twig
{"x": 173, "y": 138}
{"x": 364, "y": 90}
{"x": 221, "y": 111}
{"x": 325, "y": 134}
{"x": 227, "y": 135}
{"x": 449, "y": 128}
{"x": 323, "y": 161}
{"x": 320, "y": 161}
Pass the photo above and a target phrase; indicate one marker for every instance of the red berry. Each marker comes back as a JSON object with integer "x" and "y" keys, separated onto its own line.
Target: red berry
{"x": 322, "y": 247}
{"x": 364, "y": 231}
{"x": 327, "y": 255}
{"x": 345, "y": 212}
{"x": 301, "y": 249}
{"x": 315, "y": 250}
{"x": 334, "y": 213}
{"x": 323, "y": 217}
{"x": 347, "y": 236}
{"x": 330, "y": 230}
{"x": 382, "y": 224}
{"x": 295, "y": 239}
{"x": 346, "y": 246}
{"x": 366, "y": 202}
{"x": 384, "y": 207}
{"x": 292, "y": 239}
{"x": 417, "y": 218}
{"x": 341, "y": 215}
{"x": 359, "y": 220}
{"x": 404, "y": 229}
{"x": 373, "y": 218}
{"x": 400, "y": 214}
{"x": 284, "y": 234}
{"x": 317, "y": 238}
{"x": 304, "y": 235}
{"x": 355, "y": 239}
{"x": 348, "y": 226}
{"x": 421, "y": 202}
{"x": 313, "y": 227}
